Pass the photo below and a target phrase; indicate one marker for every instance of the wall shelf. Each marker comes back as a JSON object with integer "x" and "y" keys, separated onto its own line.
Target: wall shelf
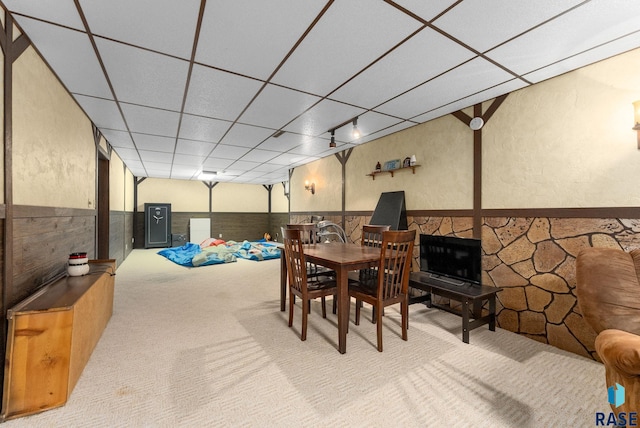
{"x": 392, "y": 171}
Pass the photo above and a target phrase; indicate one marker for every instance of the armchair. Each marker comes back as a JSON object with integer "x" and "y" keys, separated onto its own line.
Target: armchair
{"x": 608, "y": 292}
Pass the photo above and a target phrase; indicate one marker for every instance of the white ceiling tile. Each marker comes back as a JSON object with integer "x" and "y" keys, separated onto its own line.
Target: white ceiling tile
{"x": 196, "y": 148}
{"x": 164, "y": 26}
{"x": 154, "y": 143}
{"x": 260, "y": 156}
{"x": 203, "y": 128}
{"x": 275, "y": 26}
{"x": 185, "y": 160}
{"x": 419, "y": 59}
{"x": 311, "y": 147}
{"x": 218, "y": 94}
{"x": 474, "y": 22}
{"x": 323, "y": 60}
{"x": 146, "y": 120}
{"x": 242, "y": 166}
{"x": 268, "y": 167}
{"x": 323, "y": 116}
{"x": 504, "y": 88}
{"x": 426, "y": 10}
{"x": 589, "y": 25}
{"x": 246, "y": 136}
{"x": 105, "y": 112}
{"x": 276, "y": 106}
{"x": 117, "y": 138}
{"x": 285, "y": 142}
{"x": 216, "y": 163}
{"x": 71, "y": 55}
{"x": 225, "y": 151}
{"x": 590, "y": 56}
{"x": 287, "y": 159}
{"x": 144, "y": 77}
{"x": 63, "y": 12}
{"x": 127, "y": 155}
{"x": 473, "y": 76}
{"x": 151, "y": 158}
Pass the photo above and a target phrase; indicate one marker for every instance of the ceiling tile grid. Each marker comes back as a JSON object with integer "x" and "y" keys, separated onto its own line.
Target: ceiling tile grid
{"x": 178, "y": 87}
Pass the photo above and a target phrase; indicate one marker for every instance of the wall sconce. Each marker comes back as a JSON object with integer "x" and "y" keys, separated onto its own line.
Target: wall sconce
{"x": 636, "y": 114}
{"x": 310, "y": 187}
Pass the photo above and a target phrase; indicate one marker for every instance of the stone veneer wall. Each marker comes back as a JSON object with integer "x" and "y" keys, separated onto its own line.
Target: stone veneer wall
{"x": 533, "y": 260}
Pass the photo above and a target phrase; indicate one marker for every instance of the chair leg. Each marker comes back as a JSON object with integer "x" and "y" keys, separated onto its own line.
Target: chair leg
{"x": 404, "y": 308}
{"x": 305, "y": 315}
{"x": 324, "y": 308}
{"x": 358, "y": 311}
{"x": 335, "y": 304}
{"x": 291, "y": 306}
{"x": 379, "y": 328}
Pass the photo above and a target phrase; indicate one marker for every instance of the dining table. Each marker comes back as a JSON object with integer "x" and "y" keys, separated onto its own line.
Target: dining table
{"x": 341, "y": 258}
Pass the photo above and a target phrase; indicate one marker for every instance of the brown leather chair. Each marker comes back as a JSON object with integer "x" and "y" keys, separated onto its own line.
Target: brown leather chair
{"x": 392, "y": 282}
{"x": 299, "y": 283}
{"x": 608, "y": 291}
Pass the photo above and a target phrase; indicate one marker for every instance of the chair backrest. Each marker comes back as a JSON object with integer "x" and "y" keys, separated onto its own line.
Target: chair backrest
{"x": 372, "y": 235}
{"x": 309, "y": 231}
{"x": 294, "y": 256}
{"x": 395, "y": 263}
{"x": 608, "y": 289}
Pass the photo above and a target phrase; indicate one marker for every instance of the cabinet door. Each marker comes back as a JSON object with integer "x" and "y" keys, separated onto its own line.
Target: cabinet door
{"x": 157, "y": 225}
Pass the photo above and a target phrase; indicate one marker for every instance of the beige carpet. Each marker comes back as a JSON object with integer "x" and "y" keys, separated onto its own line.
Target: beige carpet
{"x": 209, "y": 346}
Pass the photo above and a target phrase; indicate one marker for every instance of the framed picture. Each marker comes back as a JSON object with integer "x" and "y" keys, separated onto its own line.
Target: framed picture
{"x": 392, "y": 164}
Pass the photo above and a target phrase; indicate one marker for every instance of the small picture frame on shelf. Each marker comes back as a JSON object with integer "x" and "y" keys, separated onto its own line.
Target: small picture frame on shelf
{"x": 406, "y": 163}
{"x": 392, "y": 164}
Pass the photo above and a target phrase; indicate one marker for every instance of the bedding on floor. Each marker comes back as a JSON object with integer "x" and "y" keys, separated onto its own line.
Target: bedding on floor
{"x": 216, "y": 251}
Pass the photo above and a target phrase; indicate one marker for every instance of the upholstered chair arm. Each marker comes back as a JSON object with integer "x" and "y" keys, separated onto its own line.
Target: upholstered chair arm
{"x": 621, "y": 350}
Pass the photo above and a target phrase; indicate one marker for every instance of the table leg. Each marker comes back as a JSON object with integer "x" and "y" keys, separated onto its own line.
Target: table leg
{"x": 465, "y": 320}
{"x": 343, "y": 308}
{"x": 283, "y": 280}
{"x": 492, "y": 313}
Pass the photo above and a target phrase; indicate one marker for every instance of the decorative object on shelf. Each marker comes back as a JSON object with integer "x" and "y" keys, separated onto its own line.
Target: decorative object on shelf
{"x": 78, "y": 264}
{"x": 392, "y": 164}
{"x": 310, "y": 187}
{"x": 406, "y": 163}
{"x": 412, "y": 161}
{"x": 378, "y": 166}
{"x": 391, "y": 171}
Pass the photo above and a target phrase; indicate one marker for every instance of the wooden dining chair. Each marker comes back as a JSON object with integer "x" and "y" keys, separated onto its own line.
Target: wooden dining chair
{"x": 309, "y": 235}
{"x": 371, "y": 237}
{"x": 299, "y": 283}
{"x": 392, "y": 282}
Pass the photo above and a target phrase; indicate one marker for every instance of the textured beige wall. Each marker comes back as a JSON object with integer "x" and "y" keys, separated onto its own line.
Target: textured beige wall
{"x": 193, "y": 196}
{"x": 117, "y": 185}
{"x": 244, "y": 198}
{"x": 444, "y": 180}
{"x": 183, "y": 195}
{"x": 129, "y": 185}
{"x": 566, "y": 142}
{"x": 54, "y": 156}
{"x": 279, "y": 202}
{"x": 2, "y": 124}
{"x": 326, "y": 173}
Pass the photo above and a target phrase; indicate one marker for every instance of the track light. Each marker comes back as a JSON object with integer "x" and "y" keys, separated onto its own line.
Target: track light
{"x": 332, "y": 144}
{"x": 356, "y": 131}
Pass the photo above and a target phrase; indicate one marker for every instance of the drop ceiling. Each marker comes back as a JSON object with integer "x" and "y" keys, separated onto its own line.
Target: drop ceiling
{"x": 177, "y": 87}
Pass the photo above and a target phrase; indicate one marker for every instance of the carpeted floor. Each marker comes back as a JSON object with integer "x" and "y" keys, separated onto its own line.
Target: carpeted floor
{"x": 209, "y": 346}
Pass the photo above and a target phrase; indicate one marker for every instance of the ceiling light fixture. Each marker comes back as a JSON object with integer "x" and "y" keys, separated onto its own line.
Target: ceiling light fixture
{"x": 356, "y": 131}
{"x": 207, "y": 175}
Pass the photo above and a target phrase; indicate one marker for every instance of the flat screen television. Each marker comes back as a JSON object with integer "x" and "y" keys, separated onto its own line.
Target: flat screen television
{"x": 451, "y": 257}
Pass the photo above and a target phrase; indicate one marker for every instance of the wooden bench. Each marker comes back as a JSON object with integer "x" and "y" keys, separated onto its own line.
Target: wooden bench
{"x": 472, "y": 297}
{"x": 51, "y": 336}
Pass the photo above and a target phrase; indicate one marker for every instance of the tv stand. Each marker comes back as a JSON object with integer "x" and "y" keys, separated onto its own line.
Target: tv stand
{"x": 472, "y": 296}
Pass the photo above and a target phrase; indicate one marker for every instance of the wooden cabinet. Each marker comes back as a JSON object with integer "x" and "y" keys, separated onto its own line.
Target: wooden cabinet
{"x": 51, "y": 336}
